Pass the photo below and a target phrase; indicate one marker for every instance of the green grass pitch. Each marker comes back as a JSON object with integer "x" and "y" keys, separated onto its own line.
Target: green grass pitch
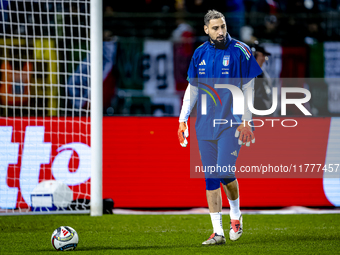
{"x": 172, "y": 234}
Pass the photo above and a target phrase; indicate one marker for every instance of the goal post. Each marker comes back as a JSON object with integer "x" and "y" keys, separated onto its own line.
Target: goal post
{"x": 96, "y": 107}
{"x": 51, "y": 106}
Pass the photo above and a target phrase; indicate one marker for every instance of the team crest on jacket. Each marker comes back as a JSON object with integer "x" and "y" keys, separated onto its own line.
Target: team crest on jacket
{"x": 226, "y": 60}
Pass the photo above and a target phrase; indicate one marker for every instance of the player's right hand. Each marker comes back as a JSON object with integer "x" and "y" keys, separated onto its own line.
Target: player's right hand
{"x": 183, "y": 133}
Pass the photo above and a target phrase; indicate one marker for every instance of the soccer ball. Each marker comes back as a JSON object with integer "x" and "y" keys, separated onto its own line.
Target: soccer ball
{"x": 64, "y": 238}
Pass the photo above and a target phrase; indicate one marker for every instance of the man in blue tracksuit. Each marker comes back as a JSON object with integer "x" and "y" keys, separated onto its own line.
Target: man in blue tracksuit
{"x": 219, "y": 68}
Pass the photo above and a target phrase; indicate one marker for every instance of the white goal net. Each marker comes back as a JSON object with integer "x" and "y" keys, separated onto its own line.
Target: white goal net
{"x": 45, "y": 139}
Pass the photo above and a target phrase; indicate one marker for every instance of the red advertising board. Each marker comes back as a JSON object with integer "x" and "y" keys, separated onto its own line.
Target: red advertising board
{"x": 47, "y": 148}
{"x": 145, "y": 167}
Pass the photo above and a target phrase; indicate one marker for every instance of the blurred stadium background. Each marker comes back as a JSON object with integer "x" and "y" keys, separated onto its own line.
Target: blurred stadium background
{"x": 148, "y": 46}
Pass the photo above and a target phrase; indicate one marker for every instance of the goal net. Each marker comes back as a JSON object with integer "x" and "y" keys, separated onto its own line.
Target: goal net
{"x": 45, "y": 125}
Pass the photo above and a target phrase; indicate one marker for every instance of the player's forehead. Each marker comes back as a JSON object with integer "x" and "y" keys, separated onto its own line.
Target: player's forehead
{"x": 216, "y": 22}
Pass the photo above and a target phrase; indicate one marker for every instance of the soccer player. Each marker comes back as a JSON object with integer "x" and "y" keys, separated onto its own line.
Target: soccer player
{"x": 220, "y": 60}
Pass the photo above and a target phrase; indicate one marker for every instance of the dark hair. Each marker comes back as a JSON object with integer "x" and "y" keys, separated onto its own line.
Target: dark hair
{"x": 212, "y": 14}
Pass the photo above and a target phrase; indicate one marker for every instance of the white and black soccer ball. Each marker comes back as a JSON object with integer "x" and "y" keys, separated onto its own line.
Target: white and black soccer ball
{"x": 64, "y": 238}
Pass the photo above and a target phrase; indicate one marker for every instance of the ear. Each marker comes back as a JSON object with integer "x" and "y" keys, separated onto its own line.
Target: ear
{"x": 206, "y": 30}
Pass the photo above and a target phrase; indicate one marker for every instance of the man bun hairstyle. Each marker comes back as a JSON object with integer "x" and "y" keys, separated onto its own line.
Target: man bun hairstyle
{"x": 212, "y": 14}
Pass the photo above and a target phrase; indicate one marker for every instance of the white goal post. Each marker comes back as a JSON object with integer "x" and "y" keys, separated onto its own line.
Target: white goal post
{"x": 51, "y": 106}
{"x": 97, "y": 107}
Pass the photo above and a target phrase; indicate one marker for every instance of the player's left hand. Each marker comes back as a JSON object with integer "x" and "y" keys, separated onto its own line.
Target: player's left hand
{"x": 245, "y": 134}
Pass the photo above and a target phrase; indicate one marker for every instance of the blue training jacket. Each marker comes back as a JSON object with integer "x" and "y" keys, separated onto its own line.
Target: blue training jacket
{"x": 233, "y": 65}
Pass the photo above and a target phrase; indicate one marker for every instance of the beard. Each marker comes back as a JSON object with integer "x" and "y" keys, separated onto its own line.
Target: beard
{"x": 219, "y": 44}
